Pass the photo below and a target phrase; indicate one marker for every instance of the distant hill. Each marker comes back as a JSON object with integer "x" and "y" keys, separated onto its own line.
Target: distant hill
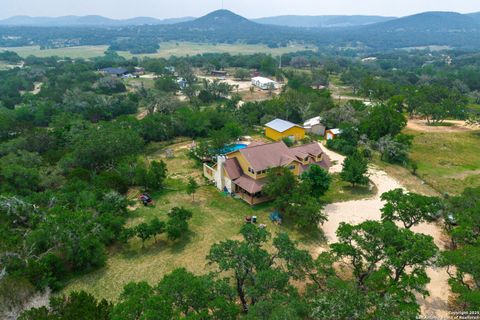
{"x": 429, "y": 21}
{"x": 219, "y": 19}
{"x": 75, "y": 21}
{"x": 142, "y": 34}
{"x": 475, "y": 15}
{"x": 330, "y": 21}
{"x": 446, "y": 29}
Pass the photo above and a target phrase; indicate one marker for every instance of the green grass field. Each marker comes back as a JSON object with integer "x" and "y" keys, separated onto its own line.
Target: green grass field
{"x": 448, "y": 162}
{"x": 84, "y": 52}
{"x": 343, "y": 191}
{"x": 167, "y": 49}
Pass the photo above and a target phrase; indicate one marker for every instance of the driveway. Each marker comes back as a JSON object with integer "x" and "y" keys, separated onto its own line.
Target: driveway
{"x": 355, "y": 212}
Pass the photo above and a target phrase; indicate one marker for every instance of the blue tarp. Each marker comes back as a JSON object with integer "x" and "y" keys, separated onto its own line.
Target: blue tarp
{"x": 275, "y": 216}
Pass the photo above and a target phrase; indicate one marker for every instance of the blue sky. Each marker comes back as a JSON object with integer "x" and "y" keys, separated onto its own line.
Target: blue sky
{"x": 248, "y": 8}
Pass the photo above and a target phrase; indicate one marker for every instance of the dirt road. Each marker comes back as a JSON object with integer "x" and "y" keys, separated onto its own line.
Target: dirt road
{"x": 355, "y": 212}
{"x": 454, "y": 126}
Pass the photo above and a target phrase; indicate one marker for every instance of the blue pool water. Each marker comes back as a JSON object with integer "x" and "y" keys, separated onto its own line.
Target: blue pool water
{"x": 233, "y": 147}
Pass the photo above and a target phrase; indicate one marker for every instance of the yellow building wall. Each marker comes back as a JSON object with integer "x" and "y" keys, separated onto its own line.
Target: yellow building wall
{"x": 243, "y": 163}
{"x": 297, "y": 132}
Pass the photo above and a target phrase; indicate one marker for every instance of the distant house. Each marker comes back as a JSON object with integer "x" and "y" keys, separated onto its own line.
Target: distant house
{"x": 139, "y": 71}
{"x": 244, "y": 172}
{"x": 315, "y": 126}
{"x": 279, "y": 129}
{"x": 219, "y": 73}
{"x": 170, "y": 69}
{"x": 264, "y": 83}
{"x": 182, "y": 83}
{"x": 331, "y": 134}
{"x": 115, "y": 72}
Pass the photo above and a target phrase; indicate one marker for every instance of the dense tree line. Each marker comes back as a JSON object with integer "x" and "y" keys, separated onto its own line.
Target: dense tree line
{"x": 388, "y": 265}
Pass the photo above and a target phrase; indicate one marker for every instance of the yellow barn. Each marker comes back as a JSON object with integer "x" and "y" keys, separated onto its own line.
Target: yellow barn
{"x": 279, "y": 129}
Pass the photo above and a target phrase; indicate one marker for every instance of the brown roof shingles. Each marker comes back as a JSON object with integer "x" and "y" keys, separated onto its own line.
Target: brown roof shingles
{"x": 272, "y": 155}
{"x": 312, "y": 149}
{"x": 250, "y": 185}
{"x": 233, "y": 169}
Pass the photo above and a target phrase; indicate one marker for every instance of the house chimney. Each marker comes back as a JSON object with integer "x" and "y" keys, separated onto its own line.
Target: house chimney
{"x": 219, "y": 178}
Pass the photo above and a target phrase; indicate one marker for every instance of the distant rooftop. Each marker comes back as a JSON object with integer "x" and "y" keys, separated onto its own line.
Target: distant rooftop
{"x": 336, "y": 131}
{"x": 281, "y": 125}
{"x": 115, "y": 70}
{"x": 313, "y": 122}
{"x": 263, "y": 80}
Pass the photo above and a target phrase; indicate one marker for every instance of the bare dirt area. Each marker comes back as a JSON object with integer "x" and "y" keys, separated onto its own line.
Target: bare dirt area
{"x": 241, "y": 85}
{"x": 343, "y": 93}
{"x": 36, "y": 300}
{"x": 243, "y": 89}
{"x": 355, "y": 212}
{"x": 142, "y": 113}
{"x": 37, "y": 87}
{"x": 451, "y": 126}
{"x": 148, "y": 76}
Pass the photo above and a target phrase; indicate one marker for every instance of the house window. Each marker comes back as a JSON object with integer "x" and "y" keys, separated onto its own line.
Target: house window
{"x": 291, "y": 167}
{"x": 251, "y": 170}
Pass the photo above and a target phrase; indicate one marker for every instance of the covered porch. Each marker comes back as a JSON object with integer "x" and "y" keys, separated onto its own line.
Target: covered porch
{"x": 250, "y": 190}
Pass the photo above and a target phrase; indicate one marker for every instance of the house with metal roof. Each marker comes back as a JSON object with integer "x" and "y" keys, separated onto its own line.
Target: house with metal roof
{"x": 315, "y": 126}
{"x": 244, "y": 172}
{"x": 264, "y": 83}
{"x": 279, "y": 129}
{"x": 116, "y": 72}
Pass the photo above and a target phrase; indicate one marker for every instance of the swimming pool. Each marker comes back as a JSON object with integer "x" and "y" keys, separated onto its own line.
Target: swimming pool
{"x": 233, "y": 147}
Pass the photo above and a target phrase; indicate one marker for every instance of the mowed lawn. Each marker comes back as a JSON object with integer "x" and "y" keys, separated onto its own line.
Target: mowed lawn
{"x": 216, "y": 217}
{"x": 448, "y": 162}
{"x": 167, "y": 49}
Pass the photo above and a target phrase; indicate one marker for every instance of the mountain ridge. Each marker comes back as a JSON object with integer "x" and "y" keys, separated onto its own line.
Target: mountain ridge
{"x": 88, "y": 20}
{"x": 226, "y": 17}
{"x": 322, "y": 21}
{"x": 435, "y": 21}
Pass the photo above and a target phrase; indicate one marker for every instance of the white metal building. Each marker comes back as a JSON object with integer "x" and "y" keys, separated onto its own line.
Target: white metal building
{"x": 264, "y": 83}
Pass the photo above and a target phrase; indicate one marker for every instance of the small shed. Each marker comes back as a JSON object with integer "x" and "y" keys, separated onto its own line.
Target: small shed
{"x": 219, "y": 73}
{"x": 315, "y": 126}
{"x": 331, "y": 134}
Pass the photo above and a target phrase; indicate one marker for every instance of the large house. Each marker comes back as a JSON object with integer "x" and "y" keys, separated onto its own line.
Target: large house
{"x": 244, "y": 172}
{"x": 279, "y": 129}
